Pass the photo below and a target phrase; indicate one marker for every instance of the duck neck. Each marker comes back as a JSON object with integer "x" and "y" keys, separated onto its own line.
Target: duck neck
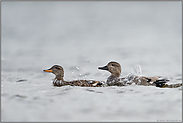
{"x": 113, "y": 77}
{"x": 115, "y": 74}
{"x": 59, "y": 77}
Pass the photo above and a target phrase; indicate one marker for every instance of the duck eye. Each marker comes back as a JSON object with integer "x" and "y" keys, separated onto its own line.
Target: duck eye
{"x": 57, "y": 68}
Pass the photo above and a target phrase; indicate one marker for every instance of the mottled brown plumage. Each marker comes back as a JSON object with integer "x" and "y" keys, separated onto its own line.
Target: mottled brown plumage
{"x": 59, "y": 81}
{"x": 115, "y": 69}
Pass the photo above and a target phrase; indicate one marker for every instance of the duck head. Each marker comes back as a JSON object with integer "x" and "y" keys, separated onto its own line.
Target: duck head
{"x": 57, "y": 70}
{"x": 113, "y": 67}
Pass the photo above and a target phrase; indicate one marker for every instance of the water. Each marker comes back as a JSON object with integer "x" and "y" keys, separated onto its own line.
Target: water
{"x": 81, "y": 36}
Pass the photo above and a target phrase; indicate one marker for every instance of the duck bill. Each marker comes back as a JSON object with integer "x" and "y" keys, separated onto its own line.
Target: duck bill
{"x": 103, "y": 68}
{"x": 48, "y": 71}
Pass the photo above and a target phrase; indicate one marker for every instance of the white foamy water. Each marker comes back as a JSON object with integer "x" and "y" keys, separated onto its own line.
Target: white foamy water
{"x": 81, "y": 36}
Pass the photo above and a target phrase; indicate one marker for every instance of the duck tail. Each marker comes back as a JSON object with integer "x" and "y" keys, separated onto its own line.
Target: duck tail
{"x": 161, "y": 82}
{"x": 172, "y": 85}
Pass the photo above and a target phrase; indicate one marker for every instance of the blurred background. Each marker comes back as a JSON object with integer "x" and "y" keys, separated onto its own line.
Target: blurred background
{"x": 81, "y": 36}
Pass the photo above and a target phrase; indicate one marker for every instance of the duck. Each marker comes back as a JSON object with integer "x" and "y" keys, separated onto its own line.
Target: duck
{"x": 59, "y": 79}
{"x": 115, "y": 69}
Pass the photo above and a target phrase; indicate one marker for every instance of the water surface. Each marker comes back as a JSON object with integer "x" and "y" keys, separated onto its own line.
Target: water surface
{"x": 81, "y": 36}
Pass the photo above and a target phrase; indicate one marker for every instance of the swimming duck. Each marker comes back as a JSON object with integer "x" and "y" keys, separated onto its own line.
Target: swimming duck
{"x": 59, "y": 81}
{"x": 115, "y": 69}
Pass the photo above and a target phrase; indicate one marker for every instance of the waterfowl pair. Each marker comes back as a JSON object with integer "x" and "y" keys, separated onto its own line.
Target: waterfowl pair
{"x": 113, "y": 80}
{"x": 59, "y": 81}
